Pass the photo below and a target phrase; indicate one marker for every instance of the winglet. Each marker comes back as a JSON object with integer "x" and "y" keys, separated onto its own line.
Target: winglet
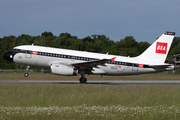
{"x": 112, "y": 59}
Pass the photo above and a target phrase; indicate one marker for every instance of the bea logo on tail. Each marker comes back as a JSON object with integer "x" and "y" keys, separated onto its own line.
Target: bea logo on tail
{"x": 161, "y": 47}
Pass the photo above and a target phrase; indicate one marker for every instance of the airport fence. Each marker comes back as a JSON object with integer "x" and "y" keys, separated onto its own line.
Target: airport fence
{"x": 23, "y": 71}
{"x": 176, "y": 72}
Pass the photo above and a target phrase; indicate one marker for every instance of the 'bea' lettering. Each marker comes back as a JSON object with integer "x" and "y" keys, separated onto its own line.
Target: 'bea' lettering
{"x": 161, "y": 47}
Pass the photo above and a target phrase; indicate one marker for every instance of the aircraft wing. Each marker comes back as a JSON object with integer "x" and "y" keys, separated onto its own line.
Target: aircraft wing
{"x": 92, "y": 63}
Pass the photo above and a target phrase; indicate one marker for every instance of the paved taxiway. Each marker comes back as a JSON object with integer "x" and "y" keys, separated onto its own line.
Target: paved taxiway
{"x": 114, "y": 82}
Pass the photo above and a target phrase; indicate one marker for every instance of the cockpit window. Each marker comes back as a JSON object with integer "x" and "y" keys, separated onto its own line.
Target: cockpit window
{"x": 18, "y": 50}
{"x": 12, "y": 50}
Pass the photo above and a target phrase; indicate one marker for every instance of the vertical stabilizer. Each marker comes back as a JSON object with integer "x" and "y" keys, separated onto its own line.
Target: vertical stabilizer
{"x": 159, "y": 49}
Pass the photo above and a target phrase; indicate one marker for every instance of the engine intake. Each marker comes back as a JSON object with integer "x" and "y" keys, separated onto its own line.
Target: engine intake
{"x": 63, "y": 70}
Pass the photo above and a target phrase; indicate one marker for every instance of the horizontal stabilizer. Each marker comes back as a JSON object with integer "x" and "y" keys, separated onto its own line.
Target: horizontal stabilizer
{"x": 160, "y": 65}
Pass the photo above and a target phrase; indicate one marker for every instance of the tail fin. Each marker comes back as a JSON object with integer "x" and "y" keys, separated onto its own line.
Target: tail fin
{"x": 159, "y": 49}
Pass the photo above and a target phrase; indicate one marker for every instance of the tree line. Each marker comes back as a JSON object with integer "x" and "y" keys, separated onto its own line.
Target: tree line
{"x": 94, "y": 43}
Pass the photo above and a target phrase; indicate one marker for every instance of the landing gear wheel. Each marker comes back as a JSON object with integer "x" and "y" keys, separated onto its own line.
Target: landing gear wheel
{"x": 26, "y": 74}
{"x": 27, "y": 70}
{"x": 83, "y": 80}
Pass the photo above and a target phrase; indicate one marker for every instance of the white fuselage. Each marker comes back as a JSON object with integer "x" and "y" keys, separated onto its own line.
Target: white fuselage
{"x": 46, "y": 56}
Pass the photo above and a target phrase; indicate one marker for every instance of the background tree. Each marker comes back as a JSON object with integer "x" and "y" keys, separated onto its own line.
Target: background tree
{"x": 47, "y": 34}
{"x": 142, "y": 46}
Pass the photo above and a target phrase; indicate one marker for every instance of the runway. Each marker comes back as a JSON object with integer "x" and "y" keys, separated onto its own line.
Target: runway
{"x": 102, "y": 82}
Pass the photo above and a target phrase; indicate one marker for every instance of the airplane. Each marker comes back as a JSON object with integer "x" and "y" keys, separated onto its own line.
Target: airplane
{"x": 66, "y": 62}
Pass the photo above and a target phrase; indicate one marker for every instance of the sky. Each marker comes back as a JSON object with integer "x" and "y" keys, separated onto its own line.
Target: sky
{"x": 145, "y": 20}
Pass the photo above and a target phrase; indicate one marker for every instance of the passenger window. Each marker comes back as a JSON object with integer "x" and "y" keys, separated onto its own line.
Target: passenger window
{"x": 28, "y": 52}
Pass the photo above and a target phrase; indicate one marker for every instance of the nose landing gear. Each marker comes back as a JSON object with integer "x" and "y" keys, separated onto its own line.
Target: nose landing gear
{"x": 27, "y": 70}
{"x": 26, "y": 74}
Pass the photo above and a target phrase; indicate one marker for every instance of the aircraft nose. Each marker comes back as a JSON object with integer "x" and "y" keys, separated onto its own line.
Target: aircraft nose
{"x": 8, "y": 56}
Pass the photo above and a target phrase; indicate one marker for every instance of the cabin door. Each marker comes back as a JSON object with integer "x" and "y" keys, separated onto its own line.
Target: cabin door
{"x": 29, "y": 52}
{"x": 135, "y": 65}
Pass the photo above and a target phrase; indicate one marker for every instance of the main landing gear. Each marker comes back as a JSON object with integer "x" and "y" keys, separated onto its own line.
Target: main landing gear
{"x": 27, "y": 70}
{"x": 82, "y": 79}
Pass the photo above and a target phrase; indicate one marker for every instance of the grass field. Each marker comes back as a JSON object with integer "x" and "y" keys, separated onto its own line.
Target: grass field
{"x": 49, "y": 76}
{"x": 85, "y": 101}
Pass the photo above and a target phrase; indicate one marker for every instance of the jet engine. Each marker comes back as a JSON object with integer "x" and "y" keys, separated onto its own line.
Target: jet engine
{"x": 63, "y": 70}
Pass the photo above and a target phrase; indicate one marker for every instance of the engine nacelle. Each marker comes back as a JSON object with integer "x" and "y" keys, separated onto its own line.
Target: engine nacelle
{"x": 63, "y": 70}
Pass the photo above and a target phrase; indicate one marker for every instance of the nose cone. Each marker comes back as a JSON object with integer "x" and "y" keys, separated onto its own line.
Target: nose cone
{"x": 9, "y": 56}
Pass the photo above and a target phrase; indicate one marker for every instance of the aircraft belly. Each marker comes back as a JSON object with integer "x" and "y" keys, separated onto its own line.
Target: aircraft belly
{"x": 128, "y": 70}
{"x": 117, "y": 70}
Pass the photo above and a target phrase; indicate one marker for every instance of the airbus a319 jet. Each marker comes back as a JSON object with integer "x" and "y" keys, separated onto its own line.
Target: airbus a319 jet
{"x": 72, "y": 62}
